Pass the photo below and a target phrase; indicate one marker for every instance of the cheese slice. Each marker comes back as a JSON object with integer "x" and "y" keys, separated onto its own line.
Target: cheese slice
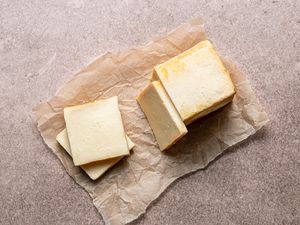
{"x": 196, "y": 81}
{"x": 95, "y": 169}
{"x": 95, "y": 131}
{"x": 162, "y": 116}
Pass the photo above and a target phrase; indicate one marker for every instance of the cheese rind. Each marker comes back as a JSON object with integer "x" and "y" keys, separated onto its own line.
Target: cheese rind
{"x": 95, "y": 131}
{"x": 95, "y": 169}
{"x": 196, "y": 81}
{"x": 162, "y": 116}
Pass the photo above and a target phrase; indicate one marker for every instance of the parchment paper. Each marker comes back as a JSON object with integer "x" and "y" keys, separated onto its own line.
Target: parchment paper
{"x": 124, "y": 192}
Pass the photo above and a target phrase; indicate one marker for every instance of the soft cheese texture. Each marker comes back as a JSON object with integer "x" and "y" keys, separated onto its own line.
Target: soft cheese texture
{"x": 196, "y": 81}
{"x": 162, "y": 116}
{"x": 95, "y": 169}
{"x": 95, "y": 131}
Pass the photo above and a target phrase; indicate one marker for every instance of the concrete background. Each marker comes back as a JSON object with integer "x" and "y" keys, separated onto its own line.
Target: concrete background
{"x": 42, "y": 43}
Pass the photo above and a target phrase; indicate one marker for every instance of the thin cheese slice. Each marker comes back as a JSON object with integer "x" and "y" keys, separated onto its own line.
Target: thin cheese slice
{"x": 162, "y": 116}
{"x": 95, "y": 131}
{"x": 95, "y": 169}
{"x": 196, "y": 81}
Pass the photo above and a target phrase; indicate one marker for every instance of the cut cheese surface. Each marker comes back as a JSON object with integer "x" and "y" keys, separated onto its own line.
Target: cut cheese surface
{"x": 95, "y": 169}
{"x": 196, "y": 81}
{"x": 162, "y": 116}
{"x": 95, "y": 131}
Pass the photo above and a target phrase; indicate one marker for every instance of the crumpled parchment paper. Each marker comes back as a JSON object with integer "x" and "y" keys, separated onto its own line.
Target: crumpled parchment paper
{"x": 125, "y": 191}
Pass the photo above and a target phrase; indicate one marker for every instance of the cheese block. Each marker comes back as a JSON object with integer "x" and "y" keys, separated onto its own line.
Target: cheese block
{"x": 95, "y": 169}
{"x": 162, "y": 116}
{"x": 196, "y": 81}
{"x": 95, "y": 131}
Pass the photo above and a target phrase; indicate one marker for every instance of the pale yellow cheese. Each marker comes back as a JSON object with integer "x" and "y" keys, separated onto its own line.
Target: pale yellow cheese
{"x": 95, "y": 169}
{"x": 163, "y": 118}
{"x": 95, "y": 131}
{"x": 196, "y": 81}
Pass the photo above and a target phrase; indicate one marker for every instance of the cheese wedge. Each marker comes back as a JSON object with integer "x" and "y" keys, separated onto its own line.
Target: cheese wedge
{"x": 162, "y": 116}
{"x": 95, "y": 131}
{"x": 196, "y": 81}
{"x": 95, "y": 169}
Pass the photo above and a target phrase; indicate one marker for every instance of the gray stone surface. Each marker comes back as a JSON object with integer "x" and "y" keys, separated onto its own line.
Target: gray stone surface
{"x": 42, "y": 43}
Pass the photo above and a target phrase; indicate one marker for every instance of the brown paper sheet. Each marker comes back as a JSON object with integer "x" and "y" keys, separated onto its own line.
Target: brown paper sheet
{"x": 125, "y": 191}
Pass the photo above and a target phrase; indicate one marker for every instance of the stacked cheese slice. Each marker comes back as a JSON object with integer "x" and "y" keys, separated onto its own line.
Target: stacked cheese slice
{"x": 185, "y": 88}
{"x": 94, "y": 136}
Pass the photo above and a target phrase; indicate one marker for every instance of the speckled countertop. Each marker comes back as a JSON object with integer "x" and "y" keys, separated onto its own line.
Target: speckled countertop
{"x": 43, "y": 43}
